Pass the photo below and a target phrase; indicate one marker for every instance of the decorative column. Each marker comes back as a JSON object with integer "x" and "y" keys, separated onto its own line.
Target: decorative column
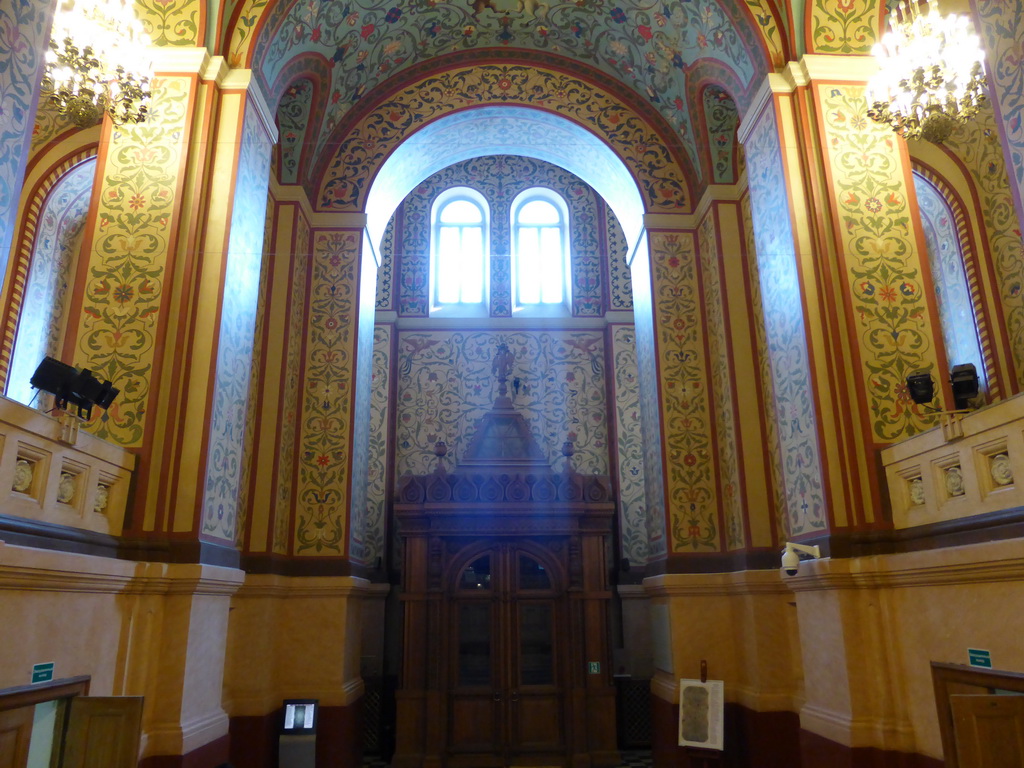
{"x": 849, "y": 305}
{"x": 154, "y": 316}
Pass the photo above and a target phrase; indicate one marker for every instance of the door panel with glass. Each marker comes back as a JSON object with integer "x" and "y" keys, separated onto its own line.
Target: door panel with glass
{"x": 506, "y": 698}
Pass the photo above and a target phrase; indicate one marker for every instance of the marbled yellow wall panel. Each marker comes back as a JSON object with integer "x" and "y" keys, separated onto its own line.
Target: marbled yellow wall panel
{"x": 273, "y": 619}
{"x": 137, "y": 213}
{"x": 977, "y": 145}
{"x": 843, "y": 26}
{"x": 325, "y": 447}
{"x": 896, "y": 328}
{"x": 899, "y": 613}
{"x": 679, "y": 327}
{"x": 726, "y": 458}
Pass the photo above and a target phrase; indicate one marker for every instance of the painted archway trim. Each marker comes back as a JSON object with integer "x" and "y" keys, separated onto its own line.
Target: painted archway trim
{"x": 27, "y": 228}
{"x": 316, "y": 70}
{"x": 361, "y": 143}
{"x": 969, "y": 250}
{"x": 504, "y": 130}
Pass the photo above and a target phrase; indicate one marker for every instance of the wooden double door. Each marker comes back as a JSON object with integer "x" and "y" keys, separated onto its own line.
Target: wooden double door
{"x": 507, "y": 654}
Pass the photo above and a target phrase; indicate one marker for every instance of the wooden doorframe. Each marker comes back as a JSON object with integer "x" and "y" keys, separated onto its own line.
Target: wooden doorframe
{"x": 950, "y": 679}
{"x": 505, "y": 551}
{"x": 30, "y": 695}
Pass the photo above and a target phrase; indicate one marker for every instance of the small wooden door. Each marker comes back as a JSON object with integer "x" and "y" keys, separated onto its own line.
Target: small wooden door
{"x": 506, "y": 689}
{"x": 989, "y": 730}
{"x": 103, "y": 732}
{"x": 15, "y": 735}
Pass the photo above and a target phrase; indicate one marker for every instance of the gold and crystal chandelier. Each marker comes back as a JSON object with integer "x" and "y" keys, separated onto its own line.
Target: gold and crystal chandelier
{"x": 932, "y": 75}
{"x": 98, "y": 62}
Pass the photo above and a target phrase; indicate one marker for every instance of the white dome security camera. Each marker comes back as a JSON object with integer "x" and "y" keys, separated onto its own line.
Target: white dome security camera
{"x": 791, "y": 556}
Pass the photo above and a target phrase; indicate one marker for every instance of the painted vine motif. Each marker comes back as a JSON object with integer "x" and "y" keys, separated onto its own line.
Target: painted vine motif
{"x": 445, "y": 385}
{"x": 283, "y": 500}
{"x": 293, "y": 113}
{"x": 978, "y": 146}
{"x": 54, "y": 254}
{"x": 361, "y": 413}
{"x": 171, "y": 22}
{"x": 24, "y": 27}
{"x": 649, "y": 50}
{"x": 883, "y": 263}
{"x": 952, "y": 292}
{"x": 685, "y": 399}
{"x": 721, "y": 119}
{"x": 225, "y": 458}
{"x": 364, "y": 148}
{"x": 784, "y": 329}
{"x": 499, "y": 179}
{"x": 1001, "y": 25}
{"x": 726, "y": 458}
{"x": 134, "y": 219}
{"x": 379, "y": 449}
{"x": 256, "y": 374}
{"x": 620, "y": 283}
{"x": 647, "y": 373}
{"x": 844, "y": 26}
{"x": 771, "y": 430}
{"x": 325, "y": 453}
{"x": 629, "y": 446}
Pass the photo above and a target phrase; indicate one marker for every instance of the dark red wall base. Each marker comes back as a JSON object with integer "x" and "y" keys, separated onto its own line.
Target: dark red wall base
{"x": 766, "y": 740}
{"x": 338, "y": 738}
{"x": 206, "y": 756}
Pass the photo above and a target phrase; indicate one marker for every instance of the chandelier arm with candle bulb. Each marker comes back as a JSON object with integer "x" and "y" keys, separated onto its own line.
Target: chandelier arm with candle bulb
{"x": 98, "y": 62}
{"x": 931, "y": 74}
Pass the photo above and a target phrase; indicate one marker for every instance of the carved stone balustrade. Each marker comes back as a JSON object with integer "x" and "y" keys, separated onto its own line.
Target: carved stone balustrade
{"x": 52, "y": 473}
{"x": 971, "y": 465}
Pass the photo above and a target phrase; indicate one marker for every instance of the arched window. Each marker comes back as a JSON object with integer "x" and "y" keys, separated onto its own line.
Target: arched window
{"x": 540, "y": 251}
{"x": 459, "y": 252}
{"x": 952, "y": 290}
{"x": 44, "y": 307}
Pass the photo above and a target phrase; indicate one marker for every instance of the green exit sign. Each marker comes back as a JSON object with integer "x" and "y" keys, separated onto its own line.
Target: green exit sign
{"x": 594, "y": 667}
{"x": 979, "y": 657}
{"x": 42, "y": 673}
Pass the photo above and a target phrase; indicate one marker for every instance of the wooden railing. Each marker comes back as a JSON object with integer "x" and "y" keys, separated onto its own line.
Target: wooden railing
{"x": 970, "y": 465}
{"x": 52, "y": 472}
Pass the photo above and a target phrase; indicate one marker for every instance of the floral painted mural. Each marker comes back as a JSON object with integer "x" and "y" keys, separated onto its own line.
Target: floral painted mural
{"x": 237, "y": 332}
{"x": 445, "y": 385}
{"x": 649, "y": 48}
{"x": 500, "y": 179}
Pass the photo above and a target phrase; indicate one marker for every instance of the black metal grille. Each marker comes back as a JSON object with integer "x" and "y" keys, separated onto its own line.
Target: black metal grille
{"x": 634, "y": 708}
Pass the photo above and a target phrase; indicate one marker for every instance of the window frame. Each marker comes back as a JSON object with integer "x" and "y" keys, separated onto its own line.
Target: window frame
{"x": 461, "y": 308}
{"x": 563, "y": 307}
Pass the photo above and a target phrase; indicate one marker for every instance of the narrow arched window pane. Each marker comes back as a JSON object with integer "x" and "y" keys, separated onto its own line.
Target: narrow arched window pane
{"x": 539, "y": 212}
{"x": 459, "y": 258}
{"x": 460, "y": 212}
{"x": 541, "y": 255}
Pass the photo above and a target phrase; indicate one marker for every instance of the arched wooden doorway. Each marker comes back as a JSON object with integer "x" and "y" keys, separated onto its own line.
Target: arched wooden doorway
{"x": 506, "y": 657}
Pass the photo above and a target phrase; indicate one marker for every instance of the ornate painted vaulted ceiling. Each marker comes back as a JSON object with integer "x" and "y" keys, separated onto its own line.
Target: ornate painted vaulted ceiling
{"x": 659, "y": 49}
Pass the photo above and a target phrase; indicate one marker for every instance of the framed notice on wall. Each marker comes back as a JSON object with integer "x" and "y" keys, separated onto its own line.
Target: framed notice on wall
{"x": 701, "y": 714}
